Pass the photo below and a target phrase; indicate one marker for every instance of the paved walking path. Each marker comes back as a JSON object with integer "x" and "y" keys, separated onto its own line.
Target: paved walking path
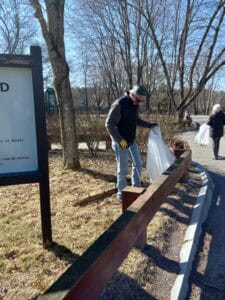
{"x": 204, "y": 154}
{"x": 207, "y": 280}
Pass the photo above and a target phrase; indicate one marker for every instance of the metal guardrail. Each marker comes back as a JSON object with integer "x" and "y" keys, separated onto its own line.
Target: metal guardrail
{"x": 88, "y": 276}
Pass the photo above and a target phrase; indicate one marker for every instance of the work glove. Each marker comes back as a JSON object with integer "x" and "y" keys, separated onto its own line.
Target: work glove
{"x": 123, "y": 144}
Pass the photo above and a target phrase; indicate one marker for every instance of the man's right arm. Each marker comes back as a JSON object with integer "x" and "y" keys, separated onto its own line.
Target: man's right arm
{"x": 112, "y": 121}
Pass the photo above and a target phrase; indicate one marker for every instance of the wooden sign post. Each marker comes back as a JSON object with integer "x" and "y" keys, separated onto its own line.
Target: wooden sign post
{"x": 23, "y": 137}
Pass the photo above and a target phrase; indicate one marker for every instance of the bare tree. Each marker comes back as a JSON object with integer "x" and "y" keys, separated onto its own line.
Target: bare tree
{"x": 193, "y": 31}
{"x": 53, "y": 32}
{"x": 121, "y": 47}
{"x": 85, "y": 71}
{"x": 208, "y": 97}
{"x": 99, "y": 36}
{"x": 98, "y": 93}
{"x": 16, "y": 30}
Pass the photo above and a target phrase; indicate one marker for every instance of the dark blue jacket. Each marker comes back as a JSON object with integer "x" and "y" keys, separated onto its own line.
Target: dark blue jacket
{"x": 216, "y": 123}
{"x": 123, "y": 119}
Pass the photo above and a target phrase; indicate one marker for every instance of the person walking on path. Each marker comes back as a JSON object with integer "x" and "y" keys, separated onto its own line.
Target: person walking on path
{"x": 121, "y": 124}
{"x": 216, "y": 122}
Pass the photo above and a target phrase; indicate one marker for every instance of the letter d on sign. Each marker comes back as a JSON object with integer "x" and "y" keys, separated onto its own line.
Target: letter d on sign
{"x": 4, "y": 87}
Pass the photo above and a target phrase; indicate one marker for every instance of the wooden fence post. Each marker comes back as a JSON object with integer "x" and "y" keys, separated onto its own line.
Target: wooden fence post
{"x": 129, "y": 195}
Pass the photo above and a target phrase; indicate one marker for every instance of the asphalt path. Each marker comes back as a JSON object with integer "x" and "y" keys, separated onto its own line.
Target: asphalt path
{"x": 207, "y": 280}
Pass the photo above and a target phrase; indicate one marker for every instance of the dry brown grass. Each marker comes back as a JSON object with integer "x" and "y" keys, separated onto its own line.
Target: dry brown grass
{"x": 26, "y": 269}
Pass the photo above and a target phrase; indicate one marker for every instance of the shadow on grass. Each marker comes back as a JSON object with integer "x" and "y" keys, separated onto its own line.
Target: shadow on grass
{"x": 122, "y": 287}
{"x": 98, "y": 175}
{"x": 108, "y": 177}
{"x": 125, "y": 288}
{"x": 63, "y": 253}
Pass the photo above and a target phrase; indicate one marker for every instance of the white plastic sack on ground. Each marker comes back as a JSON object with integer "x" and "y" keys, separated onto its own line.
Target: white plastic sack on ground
{"x": 159, "y": 156}
{"x": 202, "y": 137}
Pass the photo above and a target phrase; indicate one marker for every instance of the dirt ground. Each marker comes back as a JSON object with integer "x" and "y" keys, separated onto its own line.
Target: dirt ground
{"x": 150, "y": 274}
{"x": 26, "y": 269}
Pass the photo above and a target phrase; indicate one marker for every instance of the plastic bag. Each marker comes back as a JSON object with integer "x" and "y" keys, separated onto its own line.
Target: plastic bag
{"x": 159, "y": 156}
{"x": 202, "y": 137}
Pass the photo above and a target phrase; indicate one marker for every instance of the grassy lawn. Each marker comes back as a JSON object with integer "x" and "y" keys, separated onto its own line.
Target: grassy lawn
{"x": 26, "y": 269}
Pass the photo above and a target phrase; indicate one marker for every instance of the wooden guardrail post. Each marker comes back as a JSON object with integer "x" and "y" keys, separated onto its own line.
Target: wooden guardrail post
{"x": 184, "y": 177}
{"x": 129, "y": 195}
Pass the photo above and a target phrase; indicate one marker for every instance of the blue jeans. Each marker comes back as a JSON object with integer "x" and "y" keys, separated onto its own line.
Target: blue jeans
{"x": 122, "y": 158}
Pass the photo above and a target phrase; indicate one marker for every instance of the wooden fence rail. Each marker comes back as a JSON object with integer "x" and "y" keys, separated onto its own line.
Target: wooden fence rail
{"x": 88, "y": 276}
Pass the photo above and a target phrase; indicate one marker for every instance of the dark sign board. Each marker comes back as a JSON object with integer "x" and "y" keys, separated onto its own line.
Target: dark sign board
{"x": 23, "y": 137}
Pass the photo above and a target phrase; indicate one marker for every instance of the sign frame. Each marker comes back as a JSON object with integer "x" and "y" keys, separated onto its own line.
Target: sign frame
{"x": 41, "y": 176}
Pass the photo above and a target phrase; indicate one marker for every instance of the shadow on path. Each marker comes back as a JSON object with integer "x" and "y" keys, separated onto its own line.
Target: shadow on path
{"x": 161, "y": 261}
{"x": 208, "y": 272}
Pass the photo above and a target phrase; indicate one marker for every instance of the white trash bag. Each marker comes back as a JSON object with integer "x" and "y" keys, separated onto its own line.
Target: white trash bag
{"x": 159, "y": 156}
{"x": 202, "y": 137}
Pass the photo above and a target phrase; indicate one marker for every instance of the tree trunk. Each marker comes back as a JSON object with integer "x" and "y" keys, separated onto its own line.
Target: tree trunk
{"x": 180, "y": 116}
{"x": 53, "y": 32}
{"x": 195, "y": 107}
{"x": 67, "y": 124}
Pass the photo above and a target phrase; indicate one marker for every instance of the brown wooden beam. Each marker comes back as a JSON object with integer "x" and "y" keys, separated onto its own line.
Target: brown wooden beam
{"x": 89, "y": 275}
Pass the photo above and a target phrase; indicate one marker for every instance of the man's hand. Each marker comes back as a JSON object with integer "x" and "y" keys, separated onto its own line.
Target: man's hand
{"x": 123, "y": 144}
